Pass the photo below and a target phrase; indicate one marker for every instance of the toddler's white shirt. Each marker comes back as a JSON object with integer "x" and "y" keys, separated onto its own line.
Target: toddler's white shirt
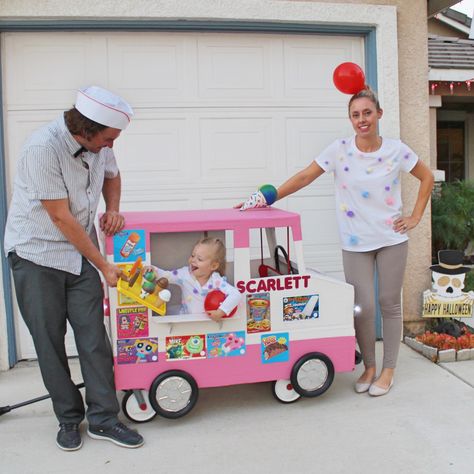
{"x": 193, "y": 294}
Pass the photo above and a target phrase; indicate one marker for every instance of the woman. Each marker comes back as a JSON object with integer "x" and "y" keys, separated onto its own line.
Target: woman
{"x": 372, "y": 228}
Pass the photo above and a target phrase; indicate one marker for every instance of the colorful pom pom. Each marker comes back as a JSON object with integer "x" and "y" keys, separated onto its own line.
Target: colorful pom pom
{"x": 353, "y": 240}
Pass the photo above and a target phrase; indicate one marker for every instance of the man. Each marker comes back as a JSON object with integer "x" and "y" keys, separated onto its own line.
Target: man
{"x": 51, "y": 244}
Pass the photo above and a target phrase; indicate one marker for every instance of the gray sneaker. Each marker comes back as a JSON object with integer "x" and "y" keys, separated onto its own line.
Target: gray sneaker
{"x": 118, "y": 434}
{"x": 69, "y": 438}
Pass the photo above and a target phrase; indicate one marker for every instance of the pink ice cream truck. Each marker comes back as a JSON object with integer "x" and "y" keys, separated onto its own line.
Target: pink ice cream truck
{"x": 293, "y": 326}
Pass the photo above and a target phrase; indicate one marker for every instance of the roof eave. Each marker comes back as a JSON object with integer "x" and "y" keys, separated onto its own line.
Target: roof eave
{"x": 435, "y": 6}
{"x": 462, "y": 75}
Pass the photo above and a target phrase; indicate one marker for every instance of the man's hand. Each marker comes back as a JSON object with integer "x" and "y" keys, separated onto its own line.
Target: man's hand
{"x": 111, "y": 273}
{"x": 111, "y": 222}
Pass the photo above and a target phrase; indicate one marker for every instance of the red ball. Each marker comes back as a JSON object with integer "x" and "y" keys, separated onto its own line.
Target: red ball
{"x": 349, "y": 78}
{"x": 213, "y": 300}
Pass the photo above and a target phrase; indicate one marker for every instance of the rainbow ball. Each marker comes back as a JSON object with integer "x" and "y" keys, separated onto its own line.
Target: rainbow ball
{"x": 269, "y": 193}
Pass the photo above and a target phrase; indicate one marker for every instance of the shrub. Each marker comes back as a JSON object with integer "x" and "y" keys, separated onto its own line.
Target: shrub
{"x": 453, "y": 216}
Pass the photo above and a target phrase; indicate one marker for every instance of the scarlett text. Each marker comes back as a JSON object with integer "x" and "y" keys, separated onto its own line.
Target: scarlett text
{"x": 273, "y": 284}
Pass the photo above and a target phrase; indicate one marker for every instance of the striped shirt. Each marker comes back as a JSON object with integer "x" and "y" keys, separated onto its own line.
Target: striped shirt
{"x": 47, "y": 169}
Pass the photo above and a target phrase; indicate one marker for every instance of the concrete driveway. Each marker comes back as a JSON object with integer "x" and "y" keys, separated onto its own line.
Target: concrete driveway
{"x": 424, "y": 425}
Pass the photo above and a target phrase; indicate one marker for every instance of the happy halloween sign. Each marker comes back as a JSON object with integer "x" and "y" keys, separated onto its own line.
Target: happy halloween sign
{"x": 446, "y": 299}
{"x": 435, "y": 307}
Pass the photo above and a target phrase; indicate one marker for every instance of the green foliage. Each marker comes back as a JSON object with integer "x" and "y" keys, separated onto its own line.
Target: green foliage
{"x": 453, "y": 216}
{"x": 469, "y": 281}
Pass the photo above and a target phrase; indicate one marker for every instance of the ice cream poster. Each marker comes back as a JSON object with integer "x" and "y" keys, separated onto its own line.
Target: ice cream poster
{"x": 226, "y": 344}
{"x": 186, "y": 347}
{"x": 275, "y": 348}
{"x": 297, "y": 308}
{"x": 129, "y": 245}
{"x": 137, "y": 351}
{"x": 132, "y": 322}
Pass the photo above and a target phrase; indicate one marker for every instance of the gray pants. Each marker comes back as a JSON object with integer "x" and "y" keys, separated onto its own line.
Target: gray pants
{"x": 359, "y": 269}
{"x": 47, "y": 298}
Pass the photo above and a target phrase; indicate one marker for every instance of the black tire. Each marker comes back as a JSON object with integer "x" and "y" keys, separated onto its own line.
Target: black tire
{"x": 284, "y": 392}
{"x": 173, "y": 394}
{"x": 312, "y": 374}
{"x": 358, "y": 358}
{"x": 132, "y": 411}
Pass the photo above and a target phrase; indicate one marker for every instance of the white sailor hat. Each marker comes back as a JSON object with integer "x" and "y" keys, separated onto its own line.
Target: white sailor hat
{"x": 103, "y": 107}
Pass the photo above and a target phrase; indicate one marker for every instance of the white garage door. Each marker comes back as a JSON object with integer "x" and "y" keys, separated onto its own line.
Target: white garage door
{"x": 216, "y": 115}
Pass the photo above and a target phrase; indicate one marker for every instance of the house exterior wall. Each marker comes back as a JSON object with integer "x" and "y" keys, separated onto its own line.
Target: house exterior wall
{"x": 404, "y": 94}
{"x": 435, "y": 27}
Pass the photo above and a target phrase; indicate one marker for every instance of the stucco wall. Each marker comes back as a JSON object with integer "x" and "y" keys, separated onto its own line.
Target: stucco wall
{"x": 402, "y": 73}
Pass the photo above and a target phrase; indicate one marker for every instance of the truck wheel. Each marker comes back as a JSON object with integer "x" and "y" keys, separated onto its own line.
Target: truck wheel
{"x": 312, "y": 374}
{"x": 283, "y": 391}
{"x": 173, "y": 394}
{"x": 132, "y": 409}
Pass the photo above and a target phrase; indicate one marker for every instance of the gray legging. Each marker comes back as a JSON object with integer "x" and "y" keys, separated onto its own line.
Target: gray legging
{"x": 359, "y": 269}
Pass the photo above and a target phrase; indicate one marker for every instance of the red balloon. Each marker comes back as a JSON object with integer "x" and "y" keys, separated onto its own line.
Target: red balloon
{"x": 349, "y": 78}
{"x": 213, "y": 300}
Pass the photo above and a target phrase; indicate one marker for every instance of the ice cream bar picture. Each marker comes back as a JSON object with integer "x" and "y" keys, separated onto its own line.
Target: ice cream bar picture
{"x": 310, "y": 305}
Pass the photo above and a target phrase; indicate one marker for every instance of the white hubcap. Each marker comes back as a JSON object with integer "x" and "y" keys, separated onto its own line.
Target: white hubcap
{"x": 312, "y": 375}
{"x": 173, "y": 394}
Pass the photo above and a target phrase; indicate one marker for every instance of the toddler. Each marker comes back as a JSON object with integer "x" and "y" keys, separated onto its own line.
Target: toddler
{"x": 205, "y": 270}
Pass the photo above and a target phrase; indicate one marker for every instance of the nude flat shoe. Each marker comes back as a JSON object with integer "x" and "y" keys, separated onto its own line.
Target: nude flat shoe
{"x": 376, "y": 391}
{"x": 363, "y": 387}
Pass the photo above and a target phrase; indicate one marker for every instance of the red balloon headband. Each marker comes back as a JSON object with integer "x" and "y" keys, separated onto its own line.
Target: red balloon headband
{"x": 349, "y": 78}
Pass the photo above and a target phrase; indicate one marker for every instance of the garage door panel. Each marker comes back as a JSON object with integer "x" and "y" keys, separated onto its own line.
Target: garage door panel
{"x": 44, "y": 71}
{"x": 307, "y": 136}
{"x": 230, "y": 147}
{"x": 231, "y": 67}
{"x": 155, "y": 201}
{"x": 322, "y": 248}
{"x": 306, "y": 66}
{"x": 152, "y": 69}
{"x": 154, "y": 151}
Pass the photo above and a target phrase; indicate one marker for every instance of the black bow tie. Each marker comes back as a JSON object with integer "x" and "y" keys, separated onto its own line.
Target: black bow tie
{"x": 78, "y": 152}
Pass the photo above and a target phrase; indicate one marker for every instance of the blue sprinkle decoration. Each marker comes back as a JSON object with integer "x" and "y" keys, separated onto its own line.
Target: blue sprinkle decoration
{"x": 387, "y": 188}
{"x": 346, "y": 168}
{"x": 365, "y": 194}
{"x": 343, "y": 142}
{"x": 195, "y": 291}
{"x": 350, "y": 214}
{"x": 353, "y": 240}
{"x": 395, "y": 181}
{"x": 379, "y": 160}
